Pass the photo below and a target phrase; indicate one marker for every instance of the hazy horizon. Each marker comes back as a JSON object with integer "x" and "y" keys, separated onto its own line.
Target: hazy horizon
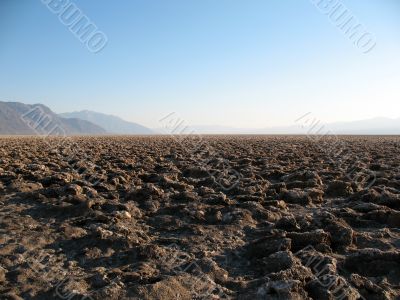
{"x": 12, "y": 113}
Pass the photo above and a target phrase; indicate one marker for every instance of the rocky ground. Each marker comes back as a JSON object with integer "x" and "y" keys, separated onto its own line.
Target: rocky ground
{"x": 237, "y": 217}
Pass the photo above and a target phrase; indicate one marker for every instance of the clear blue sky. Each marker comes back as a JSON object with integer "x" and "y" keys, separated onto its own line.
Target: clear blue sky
{"x": 255, "y": 63}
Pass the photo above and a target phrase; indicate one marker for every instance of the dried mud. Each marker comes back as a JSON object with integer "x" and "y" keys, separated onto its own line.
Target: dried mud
{"x": 230, "y": 217}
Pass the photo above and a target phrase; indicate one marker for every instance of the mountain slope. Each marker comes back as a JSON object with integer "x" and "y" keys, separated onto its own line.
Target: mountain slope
{"x": 110, "y": 123}
{"x": 37, "y": 119}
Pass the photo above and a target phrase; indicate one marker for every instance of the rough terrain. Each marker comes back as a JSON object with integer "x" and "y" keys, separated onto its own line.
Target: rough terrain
{"x": 219, "y": 217}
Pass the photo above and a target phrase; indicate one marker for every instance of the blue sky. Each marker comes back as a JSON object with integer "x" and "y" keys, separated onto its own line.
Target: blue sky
{"x": 255, "y": 63}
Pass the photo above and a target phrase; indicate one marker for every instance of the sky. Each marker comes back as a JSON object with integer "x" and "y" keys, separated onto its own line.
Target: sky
{"x": 247, "y": 64}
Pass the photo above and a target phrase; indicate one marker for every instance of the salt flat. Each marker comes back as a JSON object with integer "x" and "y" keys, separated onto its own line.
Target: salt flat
{"x": 231, "y": 217}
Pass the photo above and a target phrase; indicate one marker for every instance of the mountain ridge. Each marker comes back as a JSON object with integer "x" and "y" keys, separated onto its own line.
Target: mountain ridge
{"x": 28, "y": 119}
{"x": 372, "y": 126}
{"x": 17, "y": 118}
{"x": 112, "y": 124}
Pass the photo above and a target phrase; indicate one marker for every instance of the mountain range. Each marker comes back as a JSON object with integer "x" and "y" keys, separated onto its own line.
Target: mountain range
{"x": 37, "y": 119}
{"x": 26, "y": 119}
{"x": 374, "y": 126}
{"x": 112, "y": 124}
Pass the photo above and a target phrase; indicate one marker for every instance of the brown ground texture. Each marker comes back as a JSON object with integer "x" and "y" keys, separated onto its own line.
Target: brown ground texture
{"x": 217, "y": 217}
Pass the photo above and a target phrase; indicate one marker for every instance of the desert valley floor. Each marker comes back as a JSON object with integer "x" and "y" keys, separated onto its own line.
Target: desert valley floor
{"x": 184, "y": 217}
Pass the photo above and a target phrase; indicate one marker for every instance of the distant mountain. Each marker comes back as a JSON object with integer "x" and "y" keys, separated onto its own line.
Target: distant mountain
{"x": 24, "y": 119}
{"x": 377, "y": 126}
{"x": 37, "y": 119}
{"x": 202, "y": 129}
{"x": 369, "y": 126}
{"x": 112, "y": 124}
